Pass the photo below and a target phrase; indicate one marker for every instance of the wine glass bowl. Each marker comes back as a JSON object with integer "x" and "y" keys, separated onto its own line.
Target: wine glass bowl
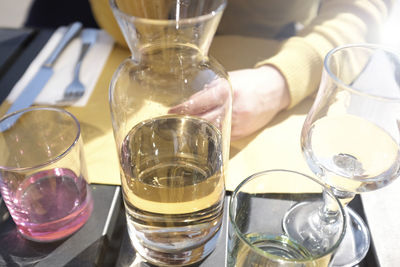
{"x": 350, "y": 138}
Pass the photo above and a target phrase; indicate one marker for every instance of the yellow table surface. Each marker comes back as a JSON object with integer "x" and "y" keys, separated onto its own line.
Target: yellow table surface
{"x": 275, "y": 146}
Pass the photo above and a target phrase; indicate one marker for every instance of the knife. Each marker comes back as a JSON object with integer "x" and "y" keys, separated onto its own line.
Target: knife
{"x": 34, "y": 87}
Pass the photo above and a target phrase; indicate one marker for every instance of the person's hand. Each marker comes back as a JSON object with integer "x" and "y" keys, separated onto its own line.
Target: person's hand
{"x": 258, "y": 95}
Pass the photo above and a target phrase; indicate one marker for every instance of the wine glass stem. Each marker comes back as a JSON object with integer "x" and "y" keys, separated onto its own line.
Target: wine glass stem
{"x": 355, "y": 244}
{"x": 344, "y": 196}
{"x": 329, "y": 211}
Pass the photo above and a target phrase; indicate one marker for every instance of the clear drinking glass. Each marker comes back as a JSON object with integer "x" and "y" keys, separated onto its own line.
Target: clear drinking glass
{"x": 260, "y": 206}
{"x": 43, "y": 173}
{"x": 173, "y": 154}
{"x": 350, "y": 137}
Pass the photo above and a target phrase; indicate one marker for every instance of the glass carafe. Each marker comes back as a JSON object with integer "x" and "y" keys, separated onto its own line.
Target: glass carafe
{"x": 171, "y": 112}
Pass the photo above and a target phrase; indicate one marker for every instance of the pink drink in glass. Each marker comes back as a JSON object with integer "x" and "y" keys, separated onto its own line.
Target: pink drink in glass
{"x": 49, "y": 205}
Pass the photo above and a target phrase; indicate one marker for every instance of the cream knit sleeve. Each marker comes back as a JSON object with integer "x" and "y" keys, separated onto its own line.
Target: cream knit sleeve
{"x": 300, "y": 58}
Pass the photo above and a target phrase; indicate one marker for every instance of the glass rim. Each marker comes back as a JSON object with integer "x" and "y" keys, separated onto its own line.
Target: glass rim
{"x": 172, "y": 22}
{"x": 53, "y": 159}
{"x": 275, "y": 257}
{"x": 337, "y": 80}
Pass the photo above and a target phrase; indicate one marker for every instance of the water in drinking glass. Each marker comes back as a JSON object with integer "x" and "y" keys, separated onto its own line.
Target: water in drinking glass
{"x": 281, "y": 246}
{"x": 173, "y": 187}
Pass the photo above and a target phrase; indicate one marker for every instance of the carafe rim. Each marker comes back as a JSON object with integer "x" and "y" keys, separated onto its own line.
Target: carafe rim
{"x": 188, "y": 20}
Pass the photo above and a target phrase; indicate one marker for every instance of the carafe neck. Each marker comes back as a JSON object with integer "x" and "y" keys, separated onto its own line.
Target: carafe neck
{"x": 166, "y": 23}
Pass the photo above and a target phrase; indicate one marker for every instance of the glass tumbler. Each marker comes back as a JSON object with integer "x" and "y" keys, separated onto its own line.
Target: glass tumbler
{"x": 43, "y": 173}
{"x": 171, "y": 112}
{"x": 260, "y": 210}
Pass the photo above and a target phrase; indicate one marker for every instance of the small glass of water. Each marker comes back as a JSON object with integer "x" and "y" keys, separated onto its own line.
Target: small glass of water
{"x": 43, "y": 173}
{"x": 261, "y": 208}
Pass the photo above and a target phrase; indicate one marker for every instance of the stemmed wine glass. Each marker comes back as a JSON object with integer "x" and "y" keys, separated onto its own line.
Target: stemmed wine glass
{"x": 350, "y": 138}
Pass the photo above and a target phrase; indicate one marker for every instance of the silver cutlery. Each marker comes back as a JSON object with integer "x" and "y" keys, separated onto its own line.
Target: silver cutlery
{"x": 76, "y": 89}
{"x": 35, "y": 86}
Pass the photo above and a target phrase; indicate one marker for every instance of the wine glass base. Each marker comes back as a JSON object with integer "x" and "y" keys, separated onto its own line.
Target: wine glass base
{"x": 303, "y": 222}
{"x": 356, "y": 242}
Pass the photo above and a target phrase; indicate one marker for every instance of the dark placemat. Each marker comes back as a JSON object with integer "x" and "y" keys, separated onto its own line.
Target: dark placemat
{"x": 128, "y": 256}
{"x": 23, "y": 55}
{"x": 12, "y": 42}
{"x": 95, "y": 244}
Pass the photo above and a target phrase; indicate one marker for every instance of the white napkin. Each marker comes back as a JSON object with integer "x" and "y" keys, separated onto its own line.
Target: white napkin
{"x": 91, "y": 68}
{"x": 382, "y": 211}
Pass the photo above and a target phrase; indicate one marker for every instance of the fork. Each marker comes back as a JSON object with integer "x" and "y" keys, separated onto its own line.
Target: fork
{"x": 76, "y": 89}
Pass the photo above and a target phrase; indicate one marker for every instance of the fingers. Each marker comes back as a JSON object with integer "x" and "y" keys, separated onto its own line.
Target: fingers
{"x": 212, "y": 96}
{"x": 215, "y": 116}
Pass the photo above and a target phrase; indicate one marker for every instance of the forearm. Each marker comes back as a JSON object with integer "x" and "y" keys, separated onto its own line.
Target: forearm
{"x": 300, "y": 59}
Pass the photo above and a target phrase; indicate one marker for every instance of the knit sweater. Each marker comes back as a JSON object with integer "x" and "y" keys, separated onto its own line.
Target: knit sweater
{"x": 324, "y": 25}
